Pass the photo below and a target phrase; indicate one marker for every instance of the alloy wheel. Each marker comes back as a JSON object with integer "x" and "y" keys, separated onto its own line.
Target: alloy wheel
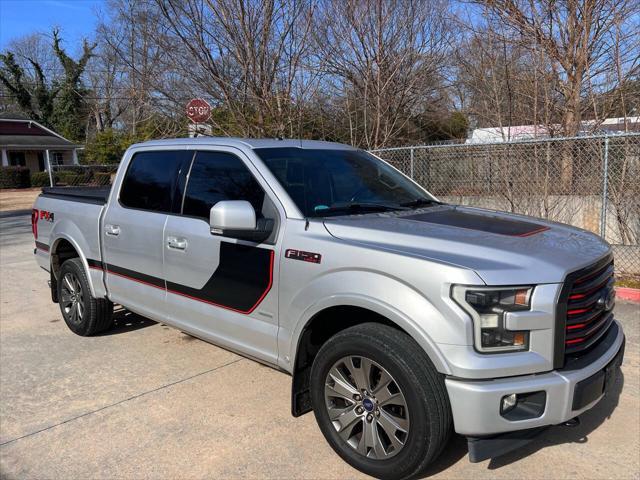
{"x": 72, "y": 299}
{"x": 367, "y": 407}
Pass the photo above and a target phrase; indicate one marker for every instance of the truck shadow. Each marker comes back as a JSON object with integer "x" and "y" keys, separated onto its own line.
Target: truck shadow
{"x": 557, "y": 435}
{"x": 455, "y": 450}
{"x": 125, "y": 321}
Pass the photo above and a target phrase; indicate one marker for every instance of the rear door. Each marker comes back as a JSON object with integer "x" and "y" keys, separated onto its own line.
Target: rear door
{"x": 221, "y": 288}
{"x": 133, "y": 228}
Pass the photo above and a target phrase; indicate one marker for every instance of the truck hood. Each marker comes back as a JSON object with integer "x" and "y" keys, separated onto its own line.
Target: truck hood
{"x": 502, "y": 248}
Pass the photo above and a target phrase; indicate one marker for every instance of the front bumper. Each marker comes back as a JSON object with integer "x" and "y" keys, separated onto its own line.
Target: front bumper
{"x": 476, "y": 404}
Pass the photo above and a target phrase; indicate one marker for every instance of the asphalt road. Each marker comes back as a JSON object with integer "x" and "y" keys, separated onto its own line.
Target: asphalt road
{"x": 146, "y": 401}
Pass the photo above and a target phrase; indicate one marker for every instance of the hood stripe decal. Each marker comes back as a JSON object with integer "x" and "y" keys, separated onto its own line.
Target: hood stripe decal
{"x": 485, "y": 223}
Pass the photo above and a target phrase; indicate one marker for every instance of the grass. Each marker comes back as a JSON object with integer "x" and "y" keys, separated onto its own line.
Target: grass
{"x": 628, "y": 282}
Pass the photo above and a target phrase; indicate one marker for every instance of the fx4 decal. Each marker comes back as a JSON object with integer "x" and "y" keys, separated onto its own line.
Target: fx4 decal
{"x": 42, "y": 215}
{"x": 302, "y": 255}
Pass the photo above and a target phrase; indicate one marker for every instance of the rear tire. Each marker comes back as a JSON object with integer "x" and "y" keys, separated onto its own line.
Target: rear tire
{"x": 83, "y": 314}
{"x": 401, "y": 385}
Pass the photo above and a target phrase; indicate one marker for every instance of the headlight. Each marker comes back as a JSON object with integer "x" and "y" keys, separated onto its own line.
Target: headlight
{"x": 487, "y": 307}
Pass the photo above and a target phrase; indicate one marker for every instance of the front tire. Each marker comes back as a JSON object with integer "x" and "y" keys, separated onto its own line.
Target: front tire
{"x": 83, "y": 314}
{"x": 380, "y": 402}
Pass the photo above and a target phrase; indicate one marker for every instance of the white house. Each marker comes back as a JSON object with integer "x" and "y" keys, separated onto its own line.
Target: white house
{"x": 27, "y": 143}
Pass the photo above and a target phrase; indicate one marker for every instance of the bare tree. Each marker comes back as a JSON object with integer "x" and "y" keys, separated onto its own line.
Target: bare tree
{"x": 505, "y": 85}
{"x": 385, "y": 59}
{"x": 134, "y": 64}
{"x": 105, "y": 77}
{"x": 579, "y": 47}
{"x": 246, "y": 56}
{"x": 578, "y": 38}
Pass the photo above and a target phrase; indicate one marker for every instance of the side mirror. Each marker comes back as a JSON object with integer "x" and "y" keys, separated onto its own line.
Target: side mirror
{"x": 237, "y": 219}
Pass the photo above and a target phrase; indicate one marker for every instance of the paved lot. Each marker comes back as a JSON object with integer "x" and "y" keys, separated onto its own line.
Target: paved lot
{"x": 146, "y": 401}
{"x": 18, "y": 198}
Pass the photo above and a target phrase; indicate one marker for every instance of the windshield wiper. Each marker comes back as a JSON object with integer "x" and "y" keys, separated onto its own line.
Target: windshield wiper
{"x": 420, "y": 202}
{"x": 353, "y": 207}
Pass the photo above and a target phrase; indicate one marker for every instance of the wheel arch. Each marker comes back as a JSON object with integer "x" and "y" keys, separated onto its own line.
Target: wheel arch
{"x": 335, "y": 315}
{"x": 62, "y": 249}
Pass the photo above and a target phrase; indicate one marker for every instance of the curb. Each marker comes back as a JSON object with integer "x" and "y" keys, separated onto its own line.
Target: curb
{"x": 15, "y": 213}
{"x": 629, "y": 294}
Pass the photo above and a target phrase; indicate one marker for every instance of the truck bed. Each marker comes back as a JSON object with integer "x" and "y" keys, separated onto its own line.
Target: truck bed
{"x": 95, "y": 195}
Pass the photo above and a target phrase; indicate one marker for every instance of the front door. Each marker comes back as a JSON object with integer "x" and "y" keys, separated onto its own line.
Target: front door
{"x": 220, "y": 288}
{"x": 133, "y": 231}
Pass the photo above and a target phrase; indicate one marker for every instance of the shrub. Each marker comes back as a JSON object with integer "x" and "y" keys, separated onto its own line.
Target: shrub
{"x": 106, "y": 147}
{"x": 14, "y": 177}
{"x": 40, "y": 179}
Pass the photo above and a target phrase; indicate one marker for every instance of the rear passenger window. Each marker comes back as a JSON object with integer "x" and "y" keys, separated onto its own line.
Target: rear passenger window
{"x": 150, "y": 181}
{"x": 217, "y": 176}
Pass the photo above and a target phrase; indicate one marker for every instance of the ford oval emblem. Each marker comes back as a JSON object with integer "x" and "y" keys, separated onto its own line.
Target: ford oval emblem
{"x": 368, "y": 405}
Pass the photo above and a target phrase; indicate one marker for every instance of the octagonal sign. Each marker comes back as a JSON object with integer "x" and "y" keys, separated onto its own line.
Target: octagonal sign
{"x": 198, "y": 110}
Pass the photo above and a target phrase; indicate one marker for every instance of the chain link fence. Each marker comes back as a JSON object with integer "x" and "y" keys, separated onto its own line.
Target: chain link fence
{"x": 82, "y": 175}
{"x": 589, "y": 182}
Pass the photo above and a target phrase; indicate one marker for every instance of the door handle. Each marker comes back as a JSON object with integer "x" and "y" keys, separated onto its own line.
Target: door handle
{"x": 177, "y": 243}
{"x": 113, "y": 230}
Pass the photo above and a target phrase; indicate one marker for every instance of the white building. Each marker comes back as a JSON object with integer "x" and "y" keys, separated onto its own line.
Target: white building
{"x": 530, "y": 132}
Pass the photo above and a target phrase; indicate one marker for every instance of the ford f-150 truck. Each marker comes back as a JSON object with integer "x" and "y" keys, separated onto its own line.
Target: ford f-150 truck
{"x": 400, "y": 318}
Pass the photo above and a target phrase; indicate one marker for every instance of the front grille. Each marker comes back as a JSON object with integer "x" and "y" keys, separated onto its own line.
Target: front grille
{"x": 587, "y": 307}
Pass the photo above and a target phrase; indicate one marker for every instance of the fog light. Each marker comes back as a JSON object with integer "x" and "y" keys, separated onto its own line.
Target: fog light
{"x": 508, "y": 402}
{"x": 523, "y": 406}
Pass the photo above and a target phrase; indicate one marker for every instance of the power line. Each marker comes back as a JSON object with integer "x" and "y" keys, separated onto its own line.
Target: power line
{"x": 151, "y": 100}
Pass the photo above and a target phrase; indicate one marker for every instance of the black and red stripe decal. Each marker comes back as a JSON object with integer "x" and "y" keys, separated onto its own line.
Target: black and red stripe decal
{"x": 485, "y": 223}
{"x": 136, "y": 276}
{"x": 243, "y": 278}
{"x": 95, "y": 264}
{"x": 533, "y": 232}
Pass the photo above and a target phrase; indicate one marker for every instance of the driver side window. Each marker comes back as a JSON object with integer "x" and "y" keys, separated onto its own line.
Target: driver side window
{"x": 217, "y": 176}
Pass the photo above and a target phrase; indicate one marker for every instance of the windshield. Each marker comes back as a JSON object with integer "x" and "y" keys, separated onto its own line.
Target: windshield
{"x": 325, "y": 182}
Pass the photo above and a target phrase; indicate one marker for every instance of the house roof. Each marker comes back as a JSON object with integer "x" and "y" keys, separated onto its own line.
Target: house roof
{"x": 23, "y": 133}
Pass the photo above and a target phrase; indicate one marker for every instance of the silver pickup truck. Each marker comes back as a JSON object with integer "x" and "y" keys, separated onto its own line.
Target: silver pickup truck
{"x": 400, "y": 318}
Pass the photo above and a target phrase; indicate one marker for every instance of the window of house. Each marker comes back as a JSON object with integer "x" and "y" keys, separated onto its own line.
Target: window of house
{"x": 56, "y": 158}
{"x": 17, "y": 159}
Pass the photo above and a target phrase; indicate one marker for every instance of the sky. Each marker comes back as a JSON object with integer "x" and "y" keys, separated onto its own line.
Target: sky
{"x": 75, "y": 18}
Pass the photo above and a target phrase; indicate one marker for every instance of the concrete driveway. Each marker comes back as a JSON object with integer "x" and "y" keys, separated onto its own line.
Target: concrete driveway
{"x": 146, "y": 401}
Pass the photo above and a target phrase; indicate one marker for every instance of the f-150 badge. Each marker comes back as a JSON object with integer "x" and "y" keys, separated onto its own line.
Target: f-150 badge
{"x": 304, "y": 256}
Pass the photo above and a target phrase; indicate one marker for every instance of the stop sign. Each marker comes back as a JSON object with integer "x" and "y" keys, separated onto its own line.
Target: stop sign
{"x": 198, "y": 110}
